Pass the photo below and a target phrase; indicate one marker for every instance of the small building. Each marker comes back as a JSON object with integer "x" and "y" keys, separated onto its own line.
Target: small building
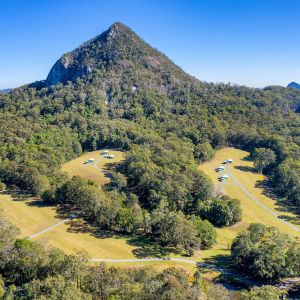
{"x": 110, "y": 156}
{"x": 105, "y": 152}
{"x": 225, "y": 162}
{"x": 229, "y": 160}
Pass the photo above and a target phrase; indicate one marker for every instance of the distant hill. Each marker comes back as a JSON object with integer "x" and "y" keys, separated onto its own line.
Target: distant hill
{"x": 5, "y": 91}
{"x": 294, "y": 85}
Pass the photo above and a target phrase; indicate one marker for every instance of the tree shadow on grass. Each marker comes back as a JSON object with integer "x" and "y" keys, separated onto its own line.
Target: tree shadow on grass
{"x": 64, "y": 211}
{"x": 246, "y": 169}
{"x": 266, "y": 188}
{"x": 247, "y": 158}
{"x": 16, "y": 194}
{"x": 23, "y": 196}
{"x": 147, "y": 248}
{"x": 81, "y": 225}
{"x": 282, "y": 205}
{"x": 106, "y": 234}
{"x": 220, "y": 261}
{"x": 291, "y": 219}
{"x": 234, "y": 282}
{"x": 228, "y": 277}
{"x": 39, "y": 203}
{"x": 111, "y": 166}
{"x": 107, "y": 174}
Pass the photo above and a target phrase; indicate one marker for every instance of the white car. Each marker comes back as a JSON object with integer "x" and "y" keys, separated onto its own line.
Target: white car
{"x": 220, "y": 168}
{"x": 223, "y": 177}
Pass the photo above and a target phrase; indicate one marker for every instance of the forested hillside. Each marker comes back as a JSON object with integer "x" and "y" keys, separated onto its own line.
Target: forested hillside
{"x": 116, "y": 91}
{"x": 134, "y": 95}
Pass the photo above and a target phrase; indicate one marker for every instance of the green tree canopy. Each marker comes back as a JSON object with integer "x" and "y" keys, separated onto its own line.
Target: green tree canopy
{"x": 263, "y": 157}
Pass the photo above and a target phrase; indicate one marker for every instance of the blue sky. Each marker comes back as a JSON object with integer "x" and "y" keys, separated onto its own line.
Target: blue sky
{"x": 251, "y": 42}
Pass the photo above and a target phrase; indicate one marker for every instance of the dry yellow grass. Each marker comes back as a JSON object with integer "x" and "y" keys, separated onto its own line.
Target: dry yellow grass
{"x": 31, "y": 217}
{"x": 243, "y": 170}
{"x": 96, "y": 170}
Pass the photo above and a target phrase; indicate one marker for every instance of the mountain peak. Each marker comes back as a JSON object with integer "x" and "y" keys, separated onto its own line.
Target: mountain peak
{"x": 294, "y": 85}
{"x": 90, "y": 55}
{"x": 117, "y": 26}
{"x": 119, "y": 29}
{"x": 117, "y": 54}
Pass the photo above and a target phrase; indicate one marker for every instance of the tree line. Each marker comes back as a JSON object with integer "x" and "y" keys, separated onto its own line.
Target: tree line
{"x": 34, "y": 270}
{"x": 167, "y": 125}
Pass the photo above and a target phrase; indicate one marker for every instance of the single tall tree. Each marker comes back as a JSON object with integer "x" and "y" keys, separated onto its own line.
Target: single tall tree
{"x": 263, "y": 157}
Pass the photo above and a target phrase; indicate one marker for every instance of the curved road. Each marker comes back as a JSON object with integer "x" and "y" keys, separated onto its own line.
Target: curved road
{"x": 270, "y": 211}
{"x": 193, "y": 262}
{"x": 199, "y": 264}
{"x": 144, "y": 260}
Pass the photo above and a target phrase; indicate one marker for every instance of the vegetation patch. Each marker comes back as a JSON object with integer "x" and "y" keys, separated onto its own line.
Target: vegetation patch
{"x": 99, "y": 169}
{"x": 243, "y": 169}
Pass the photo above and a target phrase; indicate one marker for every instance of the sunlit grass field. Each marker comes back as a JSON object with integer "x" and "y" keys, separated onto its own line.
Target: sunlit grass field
{"x": 244, "y": 171}
{"x": 97, "y": 170}
{"x": 32, "y": 216}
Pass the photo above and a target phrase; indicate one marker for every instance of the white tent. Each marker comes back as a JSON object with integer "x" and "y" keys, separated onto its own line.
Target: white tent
{"x": 221, "y": 167}
{"x": 230, "y": 160}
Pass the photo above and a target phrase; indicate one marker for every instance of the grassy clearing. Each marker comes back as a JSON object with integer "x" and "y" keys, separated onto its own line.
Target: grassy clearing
{"x": 98, "y": 170}
{"x": 243, "y": 169}
{"x": 159, "y": 265}
{"x": 31, "y": 216}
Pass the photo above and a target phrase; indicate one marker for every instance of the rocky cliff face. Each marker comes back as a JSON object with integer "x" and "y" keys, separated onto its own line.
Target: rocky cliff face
{"x": 96, "y": 53}
{"x": 61, "y": 71}
{"x": 118, "y": 54}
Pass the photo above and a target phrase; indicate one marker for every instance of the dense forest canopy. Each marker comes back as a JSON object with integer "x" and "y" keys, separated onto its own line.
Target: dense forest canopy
{"x": 117, "y": 91}
{"x": 134, "y": 98}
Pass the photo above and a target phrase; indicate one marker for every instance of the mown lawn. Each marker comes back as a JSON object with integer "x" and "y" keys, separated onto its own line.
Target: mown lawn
{"x": 243, "y": 170}
{"x": 98, "y": 170}
{"x": 31, "y": 215}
